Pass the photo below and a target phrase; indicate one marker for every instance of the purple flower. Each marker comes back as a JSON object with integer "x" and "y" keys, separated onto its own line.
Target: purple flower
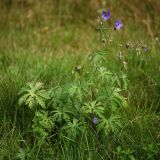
{"x": 95, "y": 120}
{"x": 106, "y": 15}
{"x": 145, "y": 49}
{"x": 118, "y": 24}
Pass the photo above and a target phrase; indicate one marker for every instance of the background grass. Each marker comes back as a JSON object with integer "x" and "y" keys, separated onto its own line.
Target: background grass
{"x": 44, "y": 41}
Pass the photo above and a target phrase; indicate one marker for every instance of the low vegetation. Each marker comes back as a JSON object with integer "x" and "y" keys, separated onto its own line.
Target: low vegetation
{"x": 79, "y": 90}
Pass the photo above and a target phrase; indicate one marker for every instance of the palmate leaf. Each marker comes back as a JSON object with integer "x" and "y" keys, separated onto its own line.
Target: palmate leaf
{"x": 41, "y": 101}
{"x": 73, "y": 129}
{"x": 44, "y": 120}
{"x": 33, "y": 95}
{"x": 104, "y": 74}
{"x": 99, "y": 57}
{"x": 116, "y": 100}
{"x": 23, "y": 154}
{"x": 56, "y": 95}
{"x": 22, "y": 99}
{"x": 126, "y": 154}
{"x": 112, "y": 124}
{"x": 77, "y": 91}
{"x": 42, "y": 133}
{"x": 31, "y": 102}
{"x": 93, "y": 108}
{"x": 62, "y": 113}
{"x": 42, "y": 124}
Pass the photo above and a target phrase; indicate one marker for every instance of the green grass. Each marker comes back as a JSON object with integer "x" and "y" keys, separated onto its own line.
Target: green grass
{"x": 50, "y": 52}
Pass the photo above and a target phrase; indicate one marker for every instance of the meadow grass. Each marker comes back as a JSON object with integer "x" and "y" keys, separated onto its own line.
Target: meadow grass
{"x": 55, "y": 53}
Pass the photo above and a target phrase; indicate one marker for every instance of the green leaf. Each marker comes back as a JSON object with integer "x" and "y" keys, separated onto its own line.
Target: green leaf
{"x": 33, "y": 95}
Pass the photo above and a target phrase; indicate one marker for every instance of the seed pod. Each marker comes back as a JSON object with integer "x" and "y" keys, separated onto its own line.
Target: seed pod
{"x": 103, "y": 40}
{"x": 127, "y": 45}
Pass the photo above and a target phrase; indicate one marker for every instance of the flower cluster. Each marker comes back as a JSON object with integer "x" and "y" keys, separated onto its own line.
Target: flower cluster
{"x": 137, "y": 46}
{"x": 106, "y": 15}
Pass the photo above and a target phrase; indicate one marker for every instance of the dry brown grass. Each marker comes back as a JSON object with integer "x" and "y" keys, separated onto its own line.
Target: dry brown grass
{"x": 71, "y": 10}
